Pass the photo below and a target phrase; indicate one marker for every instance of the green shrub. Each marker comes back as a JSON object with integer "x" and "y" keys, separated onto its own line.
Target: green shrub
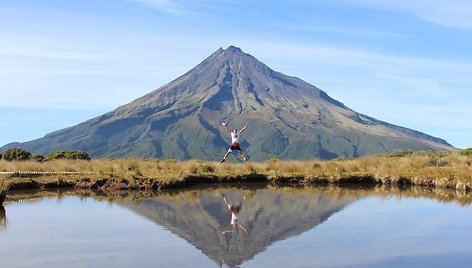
{"x": 69, "y": 155}
{"x": 400, "y": 153}
{"x": 137, "y": 173}
{"x": 3, "y": 186}
{"x": 37, "y": 158}
{"x": 432, "y": 153}
{"x": 316, "y": 165}
{"x": 133, "y": 166}
{"x": 437, "y": 162}
{"x": 466, "y": 152}
{"x": 16, "y": 154}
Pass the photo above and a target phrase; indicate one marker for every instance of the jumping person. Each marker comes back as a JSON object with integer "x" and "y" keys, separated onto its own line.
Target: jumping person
{"x": 234, "y": 142}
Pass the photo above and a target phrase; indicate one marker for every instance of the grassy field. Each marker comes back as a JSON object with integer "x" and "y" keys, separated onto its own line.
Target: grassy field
{"x": 444, "y": 170}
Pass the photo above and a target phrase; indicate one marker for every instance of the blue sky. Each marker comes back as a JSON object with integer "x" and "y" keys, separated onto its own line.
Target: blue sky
{"x": 404, "y": 62}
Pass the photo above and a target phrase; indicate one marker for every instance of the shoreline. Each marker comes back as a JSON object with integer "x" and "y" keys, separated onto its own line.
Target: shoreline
{"x": 25, "y": 183}
{"x": 425, "y": 169}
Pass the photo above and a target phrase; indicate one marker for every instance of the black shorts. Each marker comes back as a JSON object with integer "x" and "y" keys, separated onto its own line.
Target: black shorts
{"x": 234, "y": 146}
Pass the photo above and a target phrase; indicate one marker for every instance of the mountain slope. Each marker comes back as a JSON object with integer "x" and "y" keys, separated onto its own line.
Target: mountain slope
{"x": 288, "y": 118}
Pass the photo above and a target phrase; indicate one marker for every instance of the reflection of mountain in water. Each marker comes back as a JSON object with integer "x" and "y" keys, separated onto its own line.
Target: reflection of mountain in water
{"x": 269, "y": 215}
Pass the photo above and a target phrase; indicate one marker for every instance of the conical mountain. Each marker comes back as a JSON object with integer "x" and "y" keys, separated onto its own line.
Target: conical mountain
{"x": 287, "y": 118}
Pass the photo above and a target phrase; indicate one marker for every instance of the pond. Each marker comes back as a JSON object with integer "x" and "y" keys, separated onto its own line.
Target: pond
{"x": 247, "y": 226}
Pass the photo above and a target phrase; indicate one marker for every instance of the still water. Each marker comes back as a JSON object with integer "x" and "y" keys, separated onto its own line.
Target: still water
{"x": 237, "y": 227}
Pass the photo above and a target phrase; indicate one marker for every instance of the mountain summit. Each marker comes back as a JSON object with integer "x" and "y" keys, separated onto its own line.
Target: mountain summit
{"x": 287, "y": 118}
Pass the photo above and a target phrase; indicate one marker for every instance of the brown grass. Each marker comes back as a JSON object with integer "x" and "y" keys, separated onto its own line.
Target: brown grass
{"x": 450, "y": 170}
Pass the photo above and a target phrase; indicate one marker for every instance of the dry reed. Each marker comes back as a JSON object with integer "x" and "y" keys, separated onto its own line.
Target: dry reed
{"x": 432, "y": 169}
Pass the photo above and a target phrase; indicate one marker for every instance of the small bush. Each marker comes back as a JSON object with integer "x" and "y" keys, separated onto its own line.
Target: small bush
{"x": 207, "y": 169}
{"x": 16, "y": 154}
{"x": 400, "y": 153}
{"x": 137, "y": 173}
{"x": 466, "y": 152}
{"x": 192, "y": 169}
{"x": 135, "y": 170}
{"x": 69, "y": 155}
{"x": 432, "y": 153}
{"x": 3, "y": 186}
{"x": 133, "y": 166}
{"x": 437, "y": 162}
{"x": 37, "y": 158}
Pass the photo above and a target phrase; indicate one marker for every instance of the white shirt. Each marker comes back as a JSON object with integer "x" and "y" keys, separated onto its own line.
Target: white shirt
{"x": 234, "y": 137}
{"x": 234, "y": 218}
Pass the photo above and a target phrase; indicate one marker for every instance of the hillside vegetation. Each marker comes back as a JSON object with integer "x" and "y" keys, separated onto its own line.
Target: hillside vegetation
{"x": 20, "y": 154}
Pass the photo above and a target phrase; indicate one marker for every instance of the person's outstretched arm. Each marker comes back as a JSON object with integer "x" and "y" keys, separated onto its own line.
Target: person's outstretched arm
{"x": 226, "y": 126}
{"x": 242, "y": 129}
{"x": 225, "y": 199}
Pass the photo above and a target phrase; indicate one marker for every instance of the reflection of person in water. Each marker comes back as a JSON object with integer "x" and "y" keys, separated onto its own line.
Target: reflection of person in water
{"x": 235, "y": 224}
{"x": 3, "y": 218}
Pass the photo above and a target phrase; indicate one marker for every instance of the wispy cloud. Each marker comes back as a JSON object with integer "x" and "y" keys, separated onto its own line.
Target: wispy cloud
{"x": 170, "y": 6}
{"x": 37, "y": 52}
{"x": 360, "y": 58}
{"x": 454, "y": 13}
{"x": 424, "y": 93}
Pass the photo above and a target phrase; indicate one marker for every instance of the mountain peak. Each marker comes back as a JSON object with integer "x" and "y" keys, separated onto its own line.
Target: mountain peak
{"x": 288, "y": 118}
{"x": 231, "y": 52}
{"x": 233, "y": 49}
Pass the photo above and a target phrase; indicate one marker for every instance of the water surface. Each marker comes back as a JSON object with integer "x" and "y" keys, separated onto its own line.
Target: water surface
{"x": 276, "y": 227}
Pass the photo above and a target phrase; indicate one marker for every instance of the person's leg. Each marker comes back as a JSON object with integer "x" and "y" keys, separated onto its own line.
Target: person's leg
{"x": 226, "y": 155}
{"x": 241, "y": 152}
{"x": 244, "y": 229}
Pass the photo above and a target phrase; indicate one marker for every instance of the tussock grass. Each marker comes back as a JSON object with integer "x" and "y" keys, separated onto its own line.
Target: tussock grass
{"x": 450, "y": 170}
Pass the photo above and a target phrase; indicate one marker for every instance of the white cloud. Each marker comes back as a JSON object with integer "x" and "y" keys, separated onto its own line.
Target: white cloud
{"x": 427, "y": 94}
{"x": 170, "y": 6}
{"x": 38, "y": 52}
{"x": 454, "y": 13}
{"x": 381, "y": 63}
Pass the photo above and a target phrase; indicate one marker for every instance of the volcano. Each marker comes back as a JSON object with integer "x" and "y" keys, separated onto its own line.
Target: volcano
{"x": 287, "y": 118}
